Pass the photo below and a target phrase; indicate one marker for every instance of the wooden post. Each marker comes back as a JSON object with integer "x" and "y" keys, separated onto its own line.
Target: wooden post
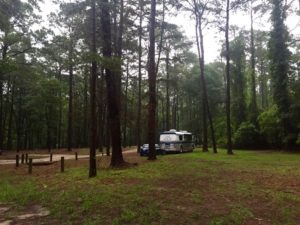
{"x": 17, "y": 160}
{"x": 62, "y": 164}
{"x": 26, "y": 158}
{"x": 30, "y": 166}
{"x": 76, "y": 156}
{"x": 22, "y": 159}
{"x": 50, "y": 157}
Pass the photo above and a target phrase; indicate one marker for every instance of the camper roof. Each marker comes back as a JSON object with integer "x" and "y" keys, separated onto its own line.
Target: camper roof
{"x": 172, "y": 131}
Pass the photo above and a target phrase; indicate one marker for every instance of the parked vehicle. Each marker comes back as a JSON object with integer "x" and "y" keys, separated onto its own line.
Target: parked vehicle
{"x": 176, "y": 141}
{"x": 144, "y": 151}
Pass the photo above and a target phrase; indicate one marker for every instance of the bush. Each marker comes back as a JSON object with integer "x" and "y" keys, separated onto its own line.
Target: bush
{"x": 220, "y": 132}
{"x": 269, "y": 123}
{"x": 247, "y": 137}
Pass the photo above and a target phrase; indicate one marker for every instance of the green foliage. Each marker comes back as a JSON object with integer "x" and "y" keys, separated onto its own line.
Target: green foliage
{"x": 237, "y": 52}
{"x": 279, "y": 56}
{"x": 34, "y": 67}
{"x": 247, "y": 137}
{"x": 269, "y": 123}
{"x": 220, "y": 126}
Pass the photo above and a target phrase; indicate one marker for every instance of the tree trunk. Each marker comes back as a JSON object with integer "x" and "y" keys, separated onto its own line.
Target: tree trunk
{"x": 174, "y": 112}
{"x": 253, "y": 104}
{"x": 93, "y": 110}
{"x": 10, "y": 119}
{"x": 113, "y": 97}
{"x": 167, "y": 92}
{"x": 163, "y": 121}
{"x": 108, "y": 138}
{"x": 161, "y": 36}
{"x": 212, "y": 130}
{"x": 228, "y": 80}
{"x": 4, "y": 53}
{"x": 48, "y": 129}
{"x": 119, "y": 48}
{"x": 125, "y": 107}
{"x": 6, "y": 109}
{"x": 152, "y": 85}
{"x": 101, "y": 111}
{"x": 201, "y": 64}
{"x": 138, "y": 121}
{"x": 85, "y": 136}
{"x": 263, "y": 86}
{"x": 20, "y": 120}
{"x": 59, "y": 133}
{"x": 70, "y": 113}
{"x": 2, "y": 127}
{"x": 1, "y": 112}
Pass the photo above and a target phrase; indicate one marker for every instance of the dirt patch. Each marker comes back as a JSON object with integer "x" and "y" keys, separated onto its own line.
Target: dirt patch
{"x": 32, "y": 214}
{"x": 103, "y": 162}
{"x": 279, "y": 183}
{"x": 219, "y": 194}
{"x": 189, "y": 197}
{"x": 262, "y": 193}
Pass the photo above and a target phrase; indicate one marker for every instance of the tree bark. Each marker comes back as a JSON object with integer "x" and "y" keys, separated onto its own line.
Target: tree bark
{"x": 59, "y": 133}
{"x": 85, "y": 136}
{"x": 201, "y": 54}
{"x": 198, "y": 16}
{"x": 263, "y": 86}
{"x": 20, "y": 120}
{"x": 1, "y": 113}
{"x": 138, "y": 122}
{"x": 125, "y": 107}
{"x": 6, "y": 108}
{"x": 253, "y": 104}
{"x": 70, "y": 113}
{"x": 212, "y": 129}
{"x": 101, "y": 117}
{"x": 93, "y": 111}
{"x": 112, "y": 81}
{"x": 48, "y": 129}
{"x": 161, "y": 36}
{"x": 228, "y": 80}
{"x": 167, "y": 91}
{"x": 152, "y": 85}
{"x": 108, "y": 138}
{"x": 174, "y": 112}
{"x": 4, "y": 53}
{"x": 10, "y": 118}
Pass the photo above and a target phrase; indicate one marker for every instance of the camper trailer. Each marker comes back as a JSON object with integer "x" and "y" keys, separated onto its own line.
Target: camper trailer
{"x": 176, "y": 141}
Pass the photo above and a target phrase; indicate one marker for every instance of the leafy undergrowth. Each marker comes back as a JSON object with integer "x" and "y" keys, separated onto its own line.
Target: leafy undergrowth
{"x": 194, "y": 188}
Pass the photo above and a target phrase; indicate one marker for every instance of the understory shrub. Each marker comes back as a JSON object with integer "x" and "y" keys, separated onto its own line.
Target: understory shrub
{"x": 247, "y": 137}
{"x": 269, "y": 123}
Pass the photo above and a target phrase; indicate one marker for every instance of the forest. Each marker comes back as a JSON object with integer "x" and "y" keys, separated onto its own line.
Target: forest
{"x": 107, "y": 74}
{"x": 86, "y": 84}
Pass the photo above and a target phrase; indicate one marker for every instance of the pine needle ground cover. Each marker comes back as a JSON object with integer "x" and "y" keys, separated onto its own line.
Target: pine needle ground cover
{"x": 194, "y": 188}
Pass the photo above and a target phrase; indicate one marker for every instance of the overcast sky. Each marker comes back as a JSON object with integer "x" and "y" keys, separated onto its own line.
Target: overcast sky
{"x": 212, "y": 37}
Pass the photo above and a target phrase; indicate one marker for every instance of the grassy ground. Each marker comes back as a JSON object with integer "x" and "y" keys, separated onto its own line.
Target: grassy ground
{"x": 194, "y": 188}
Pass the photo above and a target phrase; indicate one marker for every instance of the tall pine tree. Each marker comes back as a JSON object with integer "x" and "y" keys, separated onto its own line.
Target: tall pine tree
{"x": 279, "y": 66}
